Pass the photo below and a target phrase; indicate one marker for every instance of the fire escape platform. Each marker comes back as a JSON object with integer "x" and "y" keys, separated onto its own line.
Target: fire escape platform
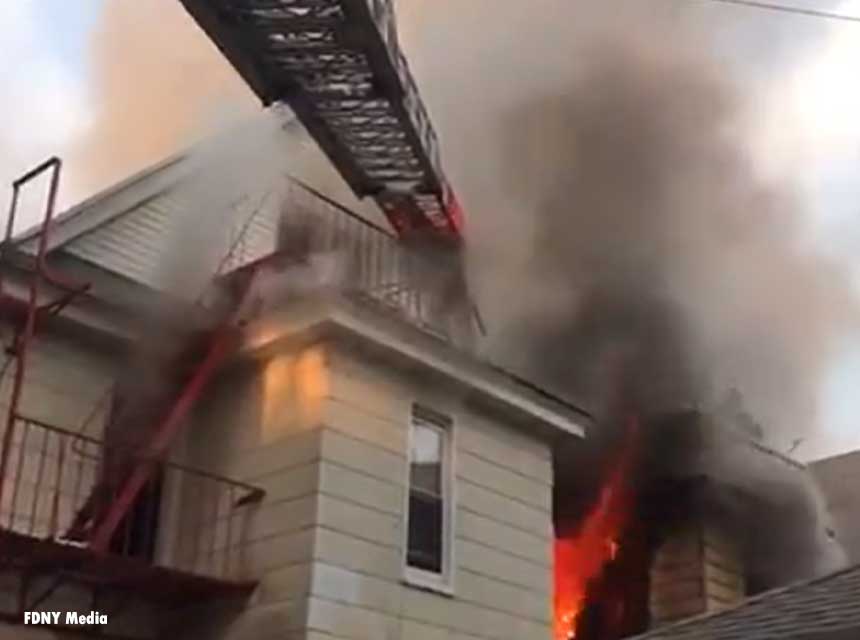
{"x": 174, "y": 560}
{"x": 81, "y": 566}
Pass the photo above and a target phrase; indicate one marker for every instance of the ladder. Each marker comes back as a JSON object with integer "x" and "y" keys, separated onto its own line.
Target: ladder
{"x": 47, "y": 293}
{"x": 339, "y": 66}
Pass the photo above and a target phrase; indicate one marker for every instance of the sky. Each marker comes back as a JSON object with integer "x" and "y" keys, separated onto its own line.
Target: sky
{"x": 799, "y": 73}
{"x": 43, "y": 79}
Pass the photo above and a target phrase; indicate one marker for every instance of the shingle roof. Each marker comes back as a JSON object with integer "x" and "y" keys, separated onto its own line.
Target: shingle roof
{"x": 827, "y": 604}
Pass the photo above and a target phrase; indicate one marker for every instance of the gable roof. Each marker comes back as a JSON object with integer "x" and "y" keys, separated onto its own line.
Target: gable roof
{"x": 828, "y": 604}
{"x": 109, "y": 204}
{"x": 136, "y": 228}
{"x": 198, "y": 199}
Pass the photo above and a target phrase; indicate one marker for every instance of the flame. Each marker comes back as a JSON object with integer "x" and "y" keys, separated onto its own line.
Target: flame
{"x": 581, "y": 558}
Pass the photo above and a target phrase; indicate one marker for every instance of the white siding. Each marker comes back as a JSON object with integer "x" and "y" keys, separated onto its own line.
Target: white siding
{"x": 65, "y": 386}
{"x": 503, "y": 546}
{"x": 150, "y": 243}
{"x": 260, "y": 424}
{"x": 324, "y": 431}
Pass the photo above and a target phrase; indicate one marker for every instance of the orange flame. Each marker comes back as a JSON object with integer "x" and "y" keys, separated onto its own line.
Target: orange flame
{"x": 581, "y": 558}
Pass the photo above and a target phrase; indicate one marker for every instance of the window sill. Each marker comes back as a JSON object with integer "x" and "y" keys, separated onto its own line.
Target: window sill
{"x": 428, "y": 582}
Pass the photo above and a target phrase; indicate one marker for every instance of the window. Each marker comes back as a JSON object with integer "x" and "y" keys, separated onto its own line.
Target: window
{"x": 428, "y": 518}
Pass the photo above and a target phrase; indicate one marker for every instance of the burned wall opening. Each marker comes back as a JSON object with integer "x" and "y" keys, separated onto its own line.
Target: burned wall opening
{"x": 660, "y": 272}
{"x": 693, "y": 515}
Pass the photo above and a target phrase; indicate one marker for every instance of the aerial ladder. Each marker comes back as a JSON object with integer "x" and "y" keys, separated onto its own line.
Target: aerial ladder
{"x": 338, "y": 65}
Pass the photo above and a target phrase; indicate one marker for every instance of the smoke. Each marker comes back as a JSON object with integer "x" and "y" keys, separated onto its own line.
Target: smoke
{"x": 611, "y": 188}
{"x": 624, "y": 243}
{"x": 605, "y": 174}
{"x": 157, "y": 84}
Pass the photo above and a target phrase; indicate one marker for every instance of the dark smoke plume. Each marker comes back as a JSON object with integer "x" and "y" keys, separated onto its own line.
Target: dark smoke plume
{"x": 612, "y": 189}
{"x": 623, "y": 242}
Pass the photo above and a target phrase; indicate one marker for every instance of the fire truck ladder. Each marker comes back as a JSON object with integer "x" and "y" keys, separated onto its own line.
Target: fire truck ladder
{"x": 338, "y": 65}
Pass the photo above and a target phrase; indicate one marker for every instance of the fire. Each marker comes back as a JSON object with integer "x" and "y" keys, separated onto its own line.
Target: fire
{"x": 581, "y": 558}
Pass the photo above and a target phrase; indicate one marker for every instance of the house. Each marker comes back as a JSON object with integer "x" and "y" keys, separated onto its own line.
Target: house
{"x": 838, "y": 477}
{"x": 346, "y": 466}
{"x": 826, "y": 608}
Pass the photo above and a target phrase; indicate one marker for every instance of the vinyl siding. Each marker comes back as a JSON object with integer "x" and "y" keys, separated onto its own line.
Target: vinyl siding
{"x": 502, "y": 531}
{"x": 324, "y": 430}
{"x": 149, "y": 243}
{"x": 260, "y": 424}
{"x": 65, "y": 386}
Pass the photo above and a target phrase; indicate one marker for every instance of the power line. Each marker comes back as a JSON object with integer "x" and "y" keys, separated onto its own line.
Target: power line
{"x": 772, "y": 6}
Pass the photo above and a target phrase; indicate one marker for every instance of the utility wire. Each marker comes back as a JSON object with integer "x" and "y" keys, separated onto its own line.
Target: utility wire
{"x": 773, "y": 6}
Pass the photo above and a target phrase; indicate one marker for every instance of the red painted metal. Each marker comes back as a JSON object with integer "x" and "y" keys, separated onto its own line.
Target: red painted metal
{"x": 24, "y": 335}
{"x": 223, "y": 342}
{"x": 63, "y": 459}
{"x": 32, "y": 478}
{"x": 162, "y": 436}
{"x": 340, "y": 67}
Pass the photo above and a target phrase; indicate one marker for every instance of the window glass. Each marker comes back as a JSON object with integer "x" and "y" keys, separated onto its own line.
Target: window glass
{"x": 426, "y": 459}
{"x": 427, "y": 500}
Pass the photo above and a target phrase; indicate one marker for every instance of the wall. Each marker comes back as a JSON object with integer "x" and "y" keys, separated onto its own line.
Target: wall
{"x": 697, "y": 570}
{"x": 839, "y": 478}
{"x": 261, "y": 425}
{"x": 324, "y": 431}
{"x": 65, "y": 386}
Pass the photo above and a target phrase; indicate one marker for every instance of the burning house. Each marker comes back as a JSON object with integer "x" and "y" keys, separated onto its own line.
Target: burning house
{"x": 692, "y": 518}
{"x": 236, "y": 414}
{"x": 350, "y": 468}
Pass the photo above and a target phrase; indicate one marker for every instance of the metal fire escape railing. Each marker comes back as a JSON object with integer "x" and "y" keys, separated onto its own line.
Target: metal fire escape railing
{"x": 38, "y": 461}
{"x": 26, "y": 314}
{"x": 339, "y": 66}
{"x": 188, "y": 520}
{"x": 408, "y": 282}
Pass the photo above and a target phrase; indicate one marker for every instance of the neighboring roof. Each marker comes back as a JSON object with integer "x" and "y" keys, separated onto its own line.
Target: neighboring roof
{"x": 829, "y": 604}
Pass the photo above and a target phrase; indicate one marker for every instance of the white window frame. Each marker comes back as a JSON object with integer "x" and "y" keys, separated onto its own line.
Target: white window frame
{"x": 443, "y": 582}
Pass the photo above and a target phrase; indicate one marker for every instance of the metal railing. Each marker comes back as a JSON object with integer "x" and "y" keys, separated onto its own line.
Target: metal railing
{"x": 358, "y": 258}
{"x": 184, "y": 519}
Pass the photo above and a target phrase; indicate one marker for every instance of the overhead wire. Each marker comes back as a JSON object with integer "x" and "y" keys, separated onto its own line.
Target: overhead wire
{"x": 775, "y": 6}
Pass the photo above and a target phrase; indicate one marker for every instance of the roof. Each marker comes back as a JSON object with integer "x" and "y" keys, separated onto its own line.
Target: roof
{"x": 105, "y": 206}
{"x": 207, "y": 199}
{"x": 828, "y": 604}
{"x": 171, "y": 228}
{"x": 376, "y": 331}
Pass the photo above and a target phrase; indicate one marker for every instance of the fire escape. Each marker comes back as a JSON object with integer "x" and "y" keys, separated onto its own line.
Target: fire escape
{"x": 51, "y": 475}
{"x": 71, "y": 505}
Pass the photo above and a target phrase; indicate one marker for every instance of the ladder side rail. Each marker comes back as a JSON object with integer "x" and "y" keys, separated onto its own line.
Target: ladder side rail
{"x": 161, "y": 439}
{"x": 25, "y": 335}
